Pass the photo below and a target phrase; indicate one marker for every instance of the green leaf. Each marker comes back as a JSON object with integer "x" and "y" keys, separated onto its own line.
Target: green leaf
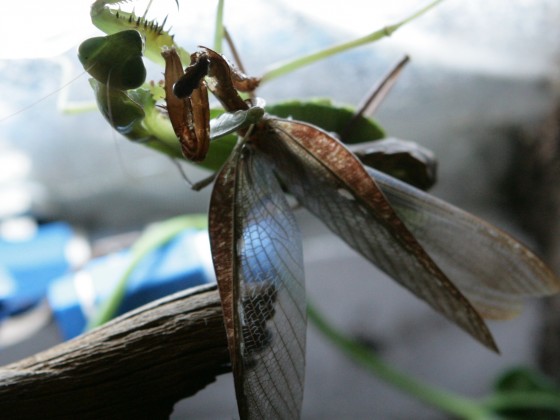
{"x": 525, "y": 379}
{"x": 115, "y": 60}
{"x": 523, "y": 393}
{"x": 318, "y": 112}
{"x": 329, "y": 117}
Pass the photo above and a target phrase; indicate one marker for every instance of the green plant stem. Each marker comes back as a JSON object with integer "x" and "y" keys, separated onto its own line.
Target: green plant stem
{"x": 219, "y": 31}
{"x": 451, "y": 403}
{"x": 151, "y": 240}
{"x": 523, "y": 400}
{"x": 289, "y": 66}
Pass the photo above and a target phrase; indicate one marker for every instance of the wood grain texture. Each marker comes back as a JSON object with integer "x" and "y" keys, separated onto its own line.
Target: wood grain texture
{"x": 137, "y": 366}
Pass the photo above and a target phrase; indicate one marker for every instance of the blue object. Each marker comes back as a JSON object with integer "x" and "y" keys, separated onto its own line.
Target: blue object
{"x": 7, "y": 289}
{"x": 29, "y": 265}
{"x": 183, "y": 262}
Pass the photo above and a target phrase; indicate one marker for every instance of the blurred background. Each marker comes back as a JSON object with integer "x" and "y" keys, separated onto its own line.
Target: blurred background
{"x": 479, "y": 72}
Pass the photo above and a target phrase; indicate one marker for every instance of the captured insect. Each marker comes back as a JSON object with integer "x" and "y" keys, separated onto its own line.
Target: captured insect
{"x": 187, "y": 101}
{"x": 464, "y": 268}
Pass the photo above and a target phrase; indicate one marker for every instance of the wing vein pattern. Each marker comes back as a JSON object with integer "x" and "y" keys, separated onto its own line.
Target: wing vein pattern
{"x": 331, "y": 183}
{"x": 269, "y": 305}
{"x": 494, "y": 271}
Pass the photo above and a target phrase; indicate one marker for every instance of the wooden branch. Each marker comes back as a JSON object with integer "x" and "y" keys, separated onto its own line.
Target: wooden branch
{"x": 136, "y": 366}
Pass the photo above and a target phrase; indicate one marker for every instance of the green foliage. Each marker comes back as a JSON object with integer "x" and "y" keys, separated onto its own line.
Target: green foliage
{"x": 336, "y": 119}
{"x": 523, "y": 393}
{"x": 115, "y": 60}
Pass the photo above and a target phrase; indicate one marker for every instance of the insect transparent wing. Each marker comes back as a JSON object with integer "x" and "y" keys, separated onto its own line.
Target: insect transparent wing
{"x": 493, "y": 270}
{"x": 257, "y": 253}
{"x": 330, "y": 182}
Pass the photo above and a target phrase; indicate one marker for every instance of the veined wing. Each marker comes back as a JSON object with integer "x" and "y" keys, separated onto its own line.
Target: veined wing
{"x": 330, "y": 182}
{"x": 493, "y": 270}
{"x": 256, "y": 246}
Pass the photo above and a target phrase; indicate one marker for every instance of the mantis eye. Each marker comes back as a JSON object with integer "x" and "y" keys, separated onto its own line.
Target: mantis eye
{"x": 115, "y": 60}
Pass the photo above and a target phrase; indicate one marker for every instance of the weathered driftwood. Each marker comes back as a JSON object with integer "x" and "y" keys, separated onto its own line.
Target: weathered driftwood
{"x": 136, "y": 366}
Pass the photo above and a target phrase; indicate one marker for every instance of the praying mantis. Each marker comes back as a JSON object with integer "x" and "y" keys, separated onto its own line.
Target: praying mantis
{"x": 464, "y": 268}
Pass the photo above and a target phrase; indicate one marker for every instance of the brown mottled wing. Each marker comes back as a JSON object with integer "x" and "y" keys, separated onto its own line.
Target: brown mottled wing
{"x": 493, "y": 270}
{"x": 256, "y": 247}
{"x": 331, "y": 182}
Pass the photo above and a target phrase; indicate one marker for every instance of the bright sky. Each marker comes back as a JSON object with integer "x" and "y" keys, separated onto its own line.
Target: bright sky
{"x": 40, "y": 28}
{"x": 36, "y": 28}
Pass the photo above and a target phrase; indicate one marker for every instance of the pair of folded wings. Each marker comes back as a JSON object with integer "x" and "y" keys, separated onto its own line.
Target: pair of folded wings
{"x": 463, "y": 267}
